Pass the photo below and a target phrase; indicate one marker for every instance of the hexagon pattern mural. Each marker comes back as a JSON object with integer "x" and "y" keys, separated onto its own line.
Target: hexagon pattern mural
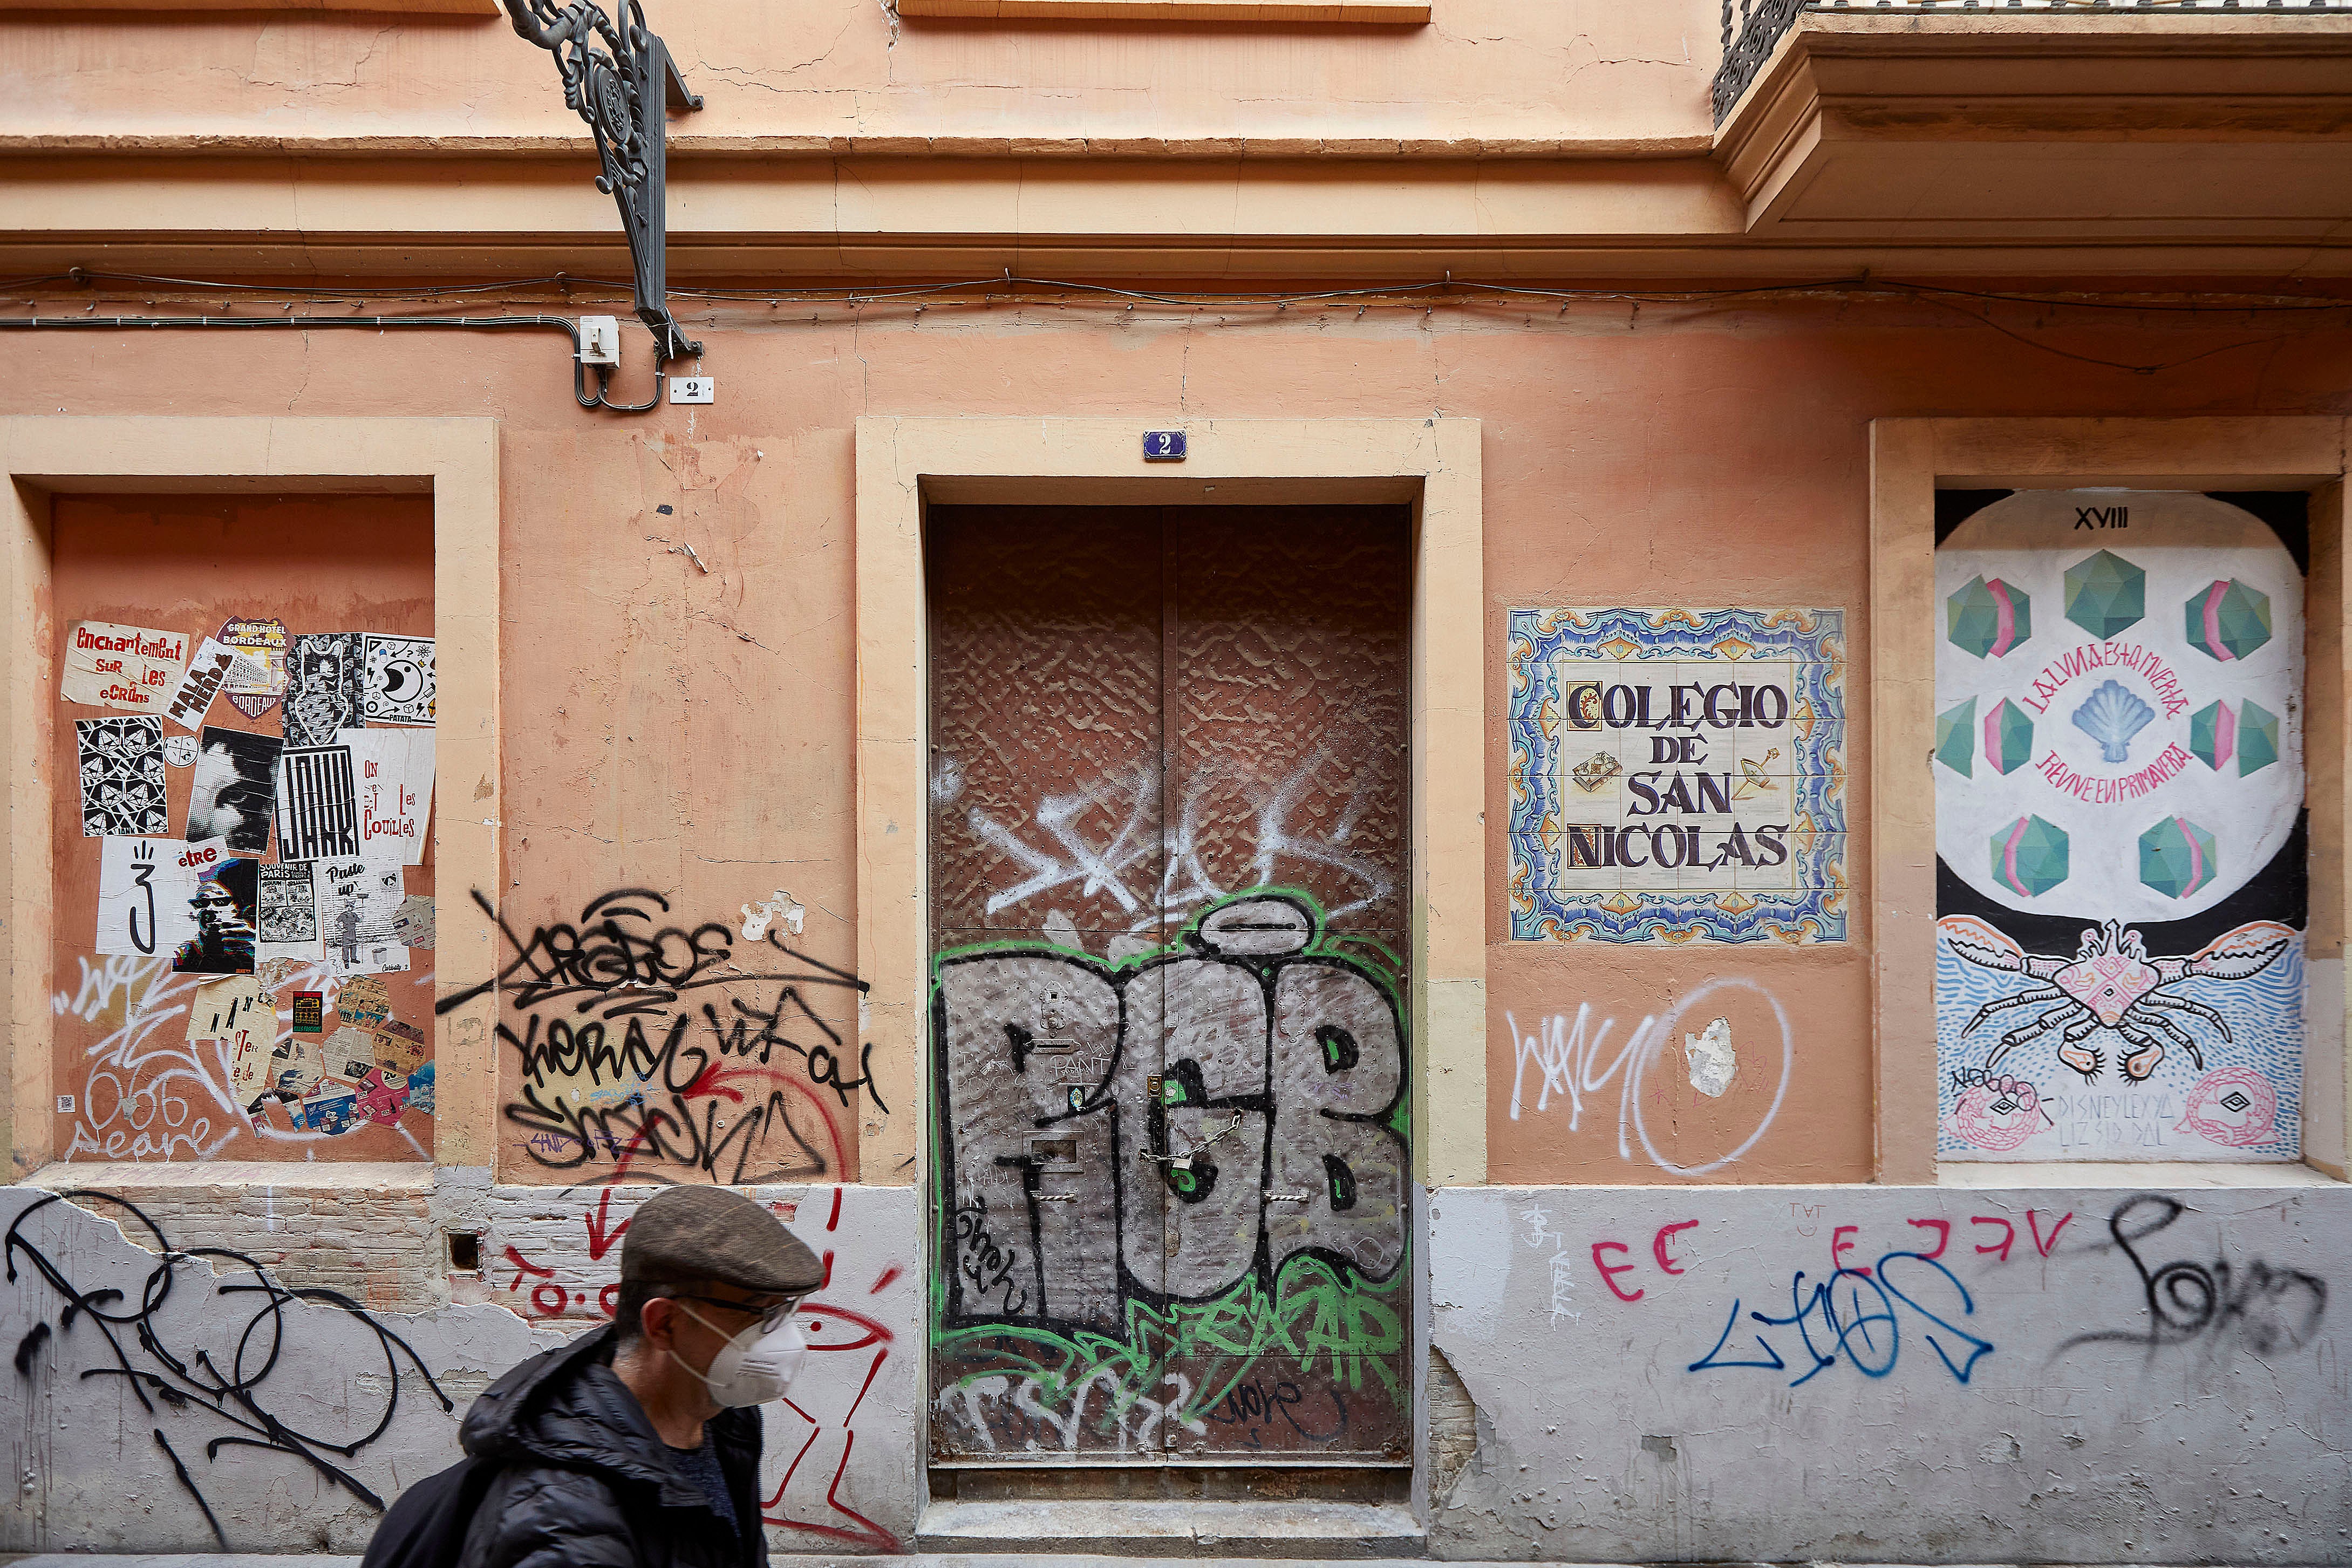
{"x": 2213, "y": 734}
{"x": 2258, "y": 738}
{"x": 2105, "y": 594}
{"x": 2029, "y": 856}
{"x": 1988, "y": 619}
{"x": 2229, "y": 620}
{"x": 2177, "y": 857}
{"x": 2111, "y": 715}
{"x": 2008, "y": 737}
{"x": 1956, "y": 738}
{"x": 2120, "y": 893}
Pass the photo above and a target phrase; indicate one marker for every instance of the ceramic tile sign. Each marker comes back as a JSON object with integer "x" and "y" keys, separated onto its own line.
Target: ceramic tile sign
{"x": 121, "y": 776}
{"x": 256, "y": 682}
{"x": 323, "y": 688}
{"x": 2119, "y": 833}
{"x": 1678, "y": 775}
{"x": 397, "y": 687}
{"x": 134, "y": 669}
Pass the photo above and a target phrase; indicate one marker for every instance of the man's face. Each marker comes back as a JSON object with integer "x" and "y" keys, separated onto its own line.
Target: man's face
{"x": 724, "y": 1312}
{"x": 216, "y": 909}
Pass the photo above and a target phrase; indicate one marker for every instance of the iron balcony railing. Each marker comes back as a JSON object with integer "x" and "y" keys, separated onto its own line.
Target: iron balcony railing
{"x": 1752, "y": 28}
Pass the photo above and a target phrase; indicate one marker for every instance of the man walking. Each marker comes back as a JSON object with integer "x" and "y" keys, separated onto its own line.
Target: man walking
{"x": 638, "y": 1445}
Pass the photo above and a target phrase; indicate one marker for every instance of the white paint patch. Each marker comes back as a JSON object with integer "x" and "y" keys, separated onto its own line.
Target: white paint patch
{"x": 784, "y": 907}
{"x": 1063, "y": 932}
{"x": 1711, "y": 1061}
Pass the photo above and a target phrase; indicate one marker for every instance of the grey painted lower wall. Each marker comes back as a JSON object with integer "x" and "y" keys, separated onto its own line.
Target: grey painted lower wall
{"x": 2083, "y": 1375}
{"x": 92, "y": 1474}
{"x": 2072, "y": 1376}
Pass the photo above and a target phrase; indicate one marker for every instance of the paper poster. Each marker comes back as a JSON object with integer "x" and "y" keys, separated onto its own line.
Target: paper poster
{"x": 206, "y": 673}
{"x": 420, "y": 1090}
{"x": 290, "y": 913}
{"x": 143, "y": 889}
{"x": 180, "y": 751}
{"x": 358, "y": 902}
{"x": 132, "y": 668}
{"x": 398, "y": 685}
{"x": 364, "y": 1002}
{"x": 221, "y": 1007}
{"x": 400, "y": 1048}
{"x": 222, "y": 903}
{"x": 259, "y": 677}
{"x": 392, "y": 782}
{"x": 121, "y": 776}
{"x": 350, "y": 1054}
{"x": 330, "y": 1106}
{"x": 296, "y": 1063}
{"x": 233, "y": 789}
{"x": 382, "y": 1096}
{"x": 318, "y": 815}
{"x": 310, "y": 1013}
{"x": 249, "y": 1064}
{"x": 413, "y": 925}
{"x": 323, "y": 688}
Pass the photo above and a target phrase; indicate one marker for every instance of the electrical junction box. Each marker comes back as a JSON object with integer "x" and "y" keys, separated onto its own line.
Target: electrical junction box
{"x": 600, "y": 340}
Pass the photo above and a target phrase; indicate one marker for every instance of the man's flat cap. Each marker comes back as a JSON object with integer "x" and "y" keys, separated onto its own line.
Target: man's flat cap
{"x": 684, "y": 1234}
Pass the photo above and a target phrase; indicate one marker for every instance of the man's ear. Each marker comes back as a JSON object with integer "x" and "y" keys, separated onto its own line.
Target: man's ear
{"x": 657, "y": 1321}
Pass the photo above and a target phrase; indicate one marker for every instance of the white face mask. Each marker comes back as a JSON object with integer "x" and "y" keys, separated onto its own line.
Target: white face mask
{"x": 753, "y": 1367}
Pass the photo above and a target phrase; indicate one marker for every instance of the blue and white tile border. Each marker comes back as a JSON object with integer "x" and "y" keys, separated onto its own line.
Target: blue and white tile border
{"x": 1542, "y": 642}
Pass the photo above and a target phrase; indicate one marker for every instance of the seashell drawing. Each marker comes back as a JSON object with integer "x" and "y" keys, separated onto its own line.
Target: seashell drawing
{"x": 2111, "y": 716}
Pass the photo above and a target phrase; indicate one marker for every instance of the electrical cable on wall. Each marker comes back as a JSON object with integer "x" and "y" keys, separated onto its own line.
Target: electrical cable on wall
{"x": 1423, "y": 296}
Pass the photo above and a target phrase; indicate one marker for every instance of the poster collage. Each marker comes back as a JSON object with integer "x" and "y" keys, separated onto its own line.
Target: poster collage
{"x": 2121, "y": 888}
{"x": 288, "y": 890}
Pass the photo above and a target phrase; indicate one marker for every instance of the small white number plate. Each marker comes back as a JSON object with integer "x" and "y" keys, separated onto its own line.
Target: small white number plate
{"x": 693, "y": 389}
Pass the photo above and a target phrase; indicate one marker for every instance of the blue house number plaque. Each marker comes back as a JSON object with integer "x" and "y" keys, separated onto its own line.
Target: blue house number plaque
{"x": 1163, "y": 445}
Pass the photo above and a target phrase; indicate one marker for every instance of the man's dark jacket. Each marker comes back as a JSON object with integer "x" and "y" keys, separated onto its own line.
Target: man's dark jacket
{"x": 588, "y": 1483}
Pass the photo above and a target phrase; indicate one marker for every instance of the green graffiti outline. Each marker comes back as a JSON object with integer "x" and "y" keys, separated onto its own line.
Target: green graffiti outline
{"x": 1155, "y": 1337}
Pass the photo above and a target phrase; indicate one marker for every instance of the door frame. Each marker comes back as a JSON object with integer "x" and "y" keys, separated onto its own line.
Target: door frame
{"x": 1910, "y": 459}
{"x": 1432, "y": 464}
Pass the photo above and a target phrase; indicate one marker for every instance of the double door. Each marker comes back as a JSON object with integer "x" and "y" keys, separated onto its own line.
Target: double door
{"x": 1172, "y": 1164}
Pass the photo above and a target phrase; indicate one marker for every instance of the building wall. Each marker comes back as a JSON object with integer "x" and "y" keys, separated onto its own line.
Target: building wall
{"x": 676, "y": 717}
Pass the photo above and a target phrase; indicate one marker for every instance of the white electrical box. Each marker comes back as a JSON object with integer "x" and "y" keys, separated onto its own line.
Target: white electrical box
{"x": 600, "y": 340}
{"x": 693, "y": 389}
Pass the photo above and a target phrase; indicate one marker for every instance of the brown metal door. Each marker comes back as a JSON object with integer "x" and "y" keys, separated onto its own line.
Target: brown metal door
{"x": 1168, "y": 878}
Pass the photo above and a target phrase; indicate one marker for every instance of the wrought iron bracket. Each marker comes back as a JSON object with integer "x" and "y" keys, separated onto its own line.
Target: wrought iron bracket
{"x": 620, "y": 79}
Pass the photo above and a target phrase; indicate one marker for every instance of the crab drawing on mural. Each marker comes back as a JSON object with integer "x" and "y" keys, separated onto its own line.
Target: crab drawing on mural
{"x": 2111, "y": 982}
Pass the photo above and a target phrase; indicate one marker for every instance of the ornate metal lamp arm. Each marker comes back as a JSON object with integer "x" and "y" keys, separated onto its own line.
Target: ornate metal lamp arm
{"x": 620, "y": 80}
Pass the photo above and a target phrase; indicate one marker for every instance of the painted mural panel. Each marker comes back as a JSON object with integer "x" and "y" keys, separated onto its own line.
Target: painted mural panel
{"x": 2119, "y": 830}
{"x": 1678, "y": 775}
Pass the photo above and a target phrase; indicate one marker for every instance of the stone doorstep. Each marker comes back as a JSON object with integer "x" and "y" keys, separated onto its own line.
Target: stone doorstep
{"x": 1126, "y": 1530}
{"x": 998, "y": 1559}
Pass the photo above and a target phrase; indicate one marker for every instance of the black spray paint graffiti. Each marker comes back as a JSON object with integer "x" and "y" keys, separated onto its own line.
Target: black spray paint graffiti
{"x": 226, "y": 1379}
{"x": 647, "y": 1044}
{"x": 2266, "y": 1309}
{"x": 1161, "y": 1131}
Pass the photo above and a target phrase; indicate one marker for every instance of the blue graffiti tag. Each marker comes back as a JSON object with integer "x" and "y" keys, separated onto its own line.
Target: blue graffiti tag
{"x": 1868, "y": 1335}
